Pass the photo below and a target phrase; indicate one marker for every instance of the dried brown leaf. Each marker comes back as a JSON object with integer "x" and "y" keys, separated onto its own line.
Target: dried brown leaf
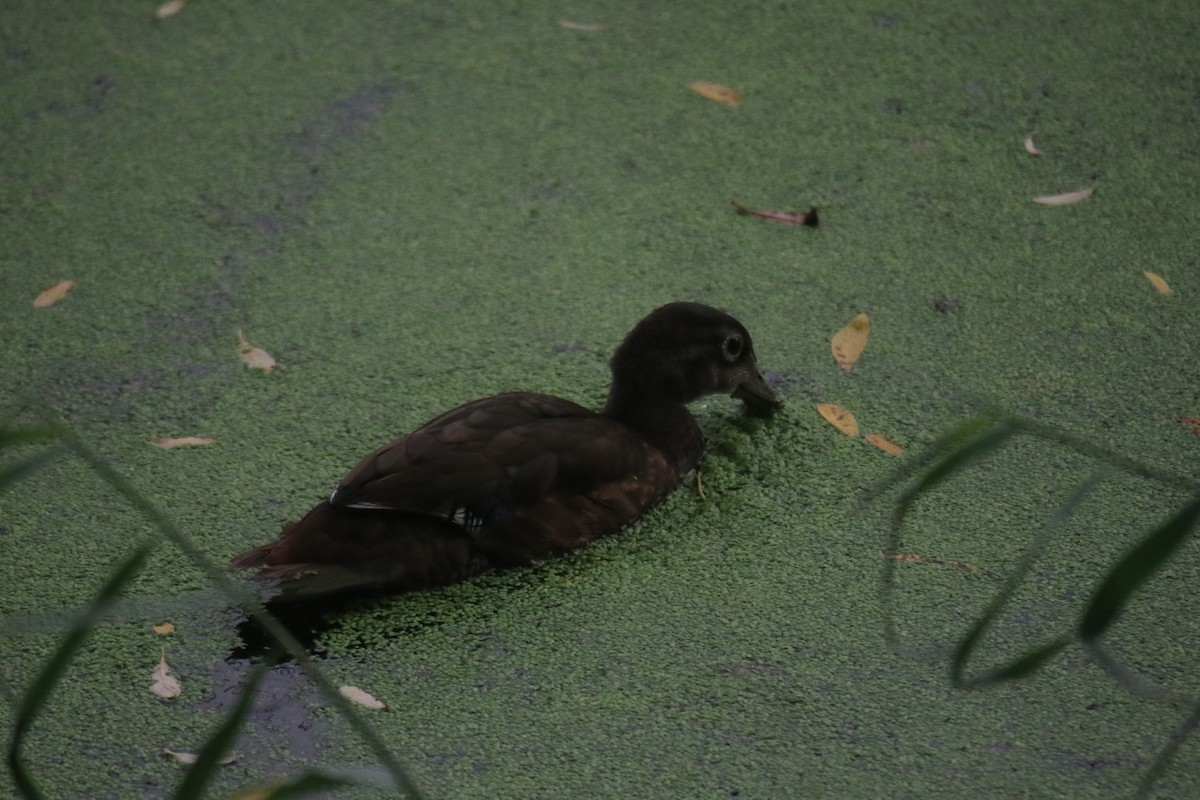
{"x": 357, "y": 695}
{"x": 1191, "y": 423}
{"x": 1160, "y": 285}
{"x": 581, "y": 26}
{"x": 1065, "y": 199}
{"x": 163, "y": 629}
{"x": 165, "y": 684}
{"x": 913, "y": 558}
{"x": 717, "y": 92}
{"x": 254, "y": 357}
{"x": 169, "y": 9}
{"x": 1031, "y": 148}
{"x": 52, "y": 294}
{"x": 192, "y": 758}
{"x": 839, "y": 418}
{"x": 848, "y": 343}
{"x": 808, "y": 219}
{"x": 886, "y": 445}
{"x": 182, "y": 441}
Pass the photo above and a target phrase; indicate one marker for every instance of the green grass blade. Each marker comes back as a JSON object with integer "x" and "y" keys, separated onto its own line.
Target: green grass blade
{"x": 1164, "y": 759}
{"x": 235, "y": 592}
{"x": 12, "y": 437}
{"x": 23, "y": 469}
{"x": 39, "y": 691}
{"x": 1130, "y": 679}
{"x": 1029, "y": 663}
{"x": 318, "y": 781}
{"x": 201, "y": 773}
{"x": 986, "y": 438}
{"x": 1135, "y": 569}
{"x": 968, "y": 431}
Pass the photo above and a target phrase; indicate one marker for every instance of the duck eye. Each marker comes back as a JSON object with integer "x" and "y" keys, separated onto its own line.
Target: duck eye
{"x": 732, "y": 347}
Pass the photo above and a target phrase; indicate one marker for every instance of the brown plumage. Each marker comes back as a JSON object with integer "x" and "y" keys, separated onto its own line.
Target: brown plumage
{"x": 519, "y": 477}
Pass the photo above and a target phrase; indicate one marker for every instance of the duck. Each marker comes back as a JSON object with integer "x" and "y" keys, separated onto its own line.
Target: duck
{"x": 521, "y": 477}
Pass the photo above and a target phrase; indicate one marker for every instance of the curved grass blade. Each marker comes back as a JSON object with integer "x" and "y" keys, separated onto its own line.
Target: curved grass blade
{"x": 318, "y": 781}
{"x": 1135, "y": 569}
{"x": 23, "y": 469}
{"x": 986, "y": 438}
{"x": 236, "y": 593}
{"x": 11, "y": 437}
{"x": 1128, "y": 678}
{"x": 39, "y": 691}
{"x": 1033, "y": 660}
{"x": 1164, "y": 759}
{"x": 1093, "y": 450}
{"x": 967, "y": 431}
{"x": 207, "y": 761}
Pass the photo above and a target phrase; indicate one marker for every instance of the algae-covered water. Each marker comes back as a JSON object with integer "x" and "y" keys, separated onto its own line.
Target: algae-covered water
{"x": 413, "y": 204}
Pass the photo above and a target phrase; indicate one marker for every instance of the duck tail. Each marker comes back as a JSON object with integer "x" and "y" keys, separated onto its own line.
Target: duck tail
{"x": 332, "y": 549}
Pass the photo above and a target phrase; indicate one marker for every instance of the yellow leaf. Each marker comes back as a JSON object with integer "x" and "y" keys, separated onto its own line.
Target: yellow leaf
{"x": 715, "y": 91}
{"x": 169, "y": 9}
{"x": 839, "y": 418}
{"x": 182, "y": 441}
{"x": 914, "y": 558}
{"x": 254, "y": 357}
{"x": 52, "y": 294}
{"x": 192, "y": 758}
{"x": 581, "y": 26}
{"x": 1157, "y": 282}
{"x": 848, "y": 343}
{"x": 1031, "y": 148}
{"x": 165, "y": 684}
{"x": 357, "y": 695}
{"x": 163, "y": 629}
{"x": 886, "y": 445}
{"x": 1064, "y": 199}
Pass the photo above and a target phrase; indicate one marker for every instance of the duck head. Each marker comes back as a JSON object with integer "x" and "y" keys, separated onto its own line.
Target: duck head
{"x": 683, "y": 351}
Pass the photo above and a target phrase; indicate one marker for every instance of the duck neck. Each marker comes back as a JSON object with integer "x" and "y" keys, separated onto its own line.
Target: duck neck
{"x": 667, "y": 424}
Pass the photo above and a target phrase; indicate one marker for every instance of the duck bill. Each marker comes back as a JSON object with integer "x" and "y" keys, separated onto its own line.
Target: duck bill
{"x": 758, "y": 397}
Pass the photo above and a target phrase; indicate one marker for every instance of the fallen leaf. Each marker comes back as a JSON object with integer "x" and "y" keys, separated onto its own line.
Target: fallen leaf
{"x": 808, "y": 219}
{"x": 182, "y": 441}
{"x": 357, "y": 695}
{"x": 165, "y": 684}
{"x": 254, "y": 357}
{"x": 1064, "y": 199}
{"x": 886, "y": 445}
{"x": 1031, "y": 148}
{"x": 913, "y": 558}
{"x": 848, "y": 343}
{"x": 169, "y": 9}
{"x": 52, "y": 294}
{"x": 163, "y": 629}
{"x": 1192, "y": 423}
{"x": 839, "y": 418}
{"x": 1157, "y": 282}
{"x": 581, "y": 26}
{"x": 717, "y": 92}
{"x": 192, "y": 758}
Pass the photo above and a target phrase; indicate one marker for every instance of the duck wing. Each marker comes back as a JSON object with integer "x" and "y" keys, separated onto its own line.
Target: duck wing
{"x": 525, "y": 475}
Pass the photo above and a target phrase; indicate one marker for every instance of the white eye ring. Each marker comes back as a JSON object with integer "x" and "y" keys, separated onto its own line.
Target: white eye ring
{"x": 731, "y": 348}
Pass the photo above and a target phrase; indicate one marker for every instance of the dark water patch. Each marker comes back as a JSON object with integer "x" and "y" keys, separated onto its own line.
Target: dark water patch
{"x": 98, "y": 93}
{"x": 341, "y": 119}
{"x": 306, "y": 620}
{"x": 222, "y": 215}
{"x": 75, "y": 387}
{"x": 284, "y": 711}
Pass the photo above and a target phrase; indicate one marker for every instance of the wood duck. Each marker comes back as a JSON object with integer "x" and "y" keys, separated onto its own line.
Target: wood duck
{"x": 519, "y": 477}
